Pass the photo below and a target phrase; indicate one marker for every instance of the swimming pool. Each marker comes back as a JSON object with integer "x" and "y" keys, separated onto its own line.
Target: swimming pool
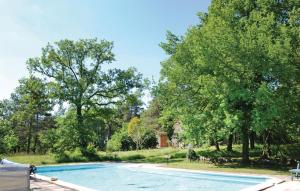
{"x": 125, "y": 177}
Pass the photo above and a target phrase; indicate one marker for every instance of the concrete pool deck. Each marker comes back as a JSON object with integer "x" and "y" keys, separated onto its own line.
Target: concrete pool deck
{"x": 41, "y": 185}
{"x": 270, "y": 185}
{"x": 286, "y": 186}
{"x": 60, "y": 185}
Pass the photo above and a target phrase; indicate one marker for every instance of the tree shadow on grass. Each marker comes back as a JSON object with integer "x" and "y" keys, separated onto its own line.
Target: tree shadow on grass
{"x": 156, "y": 160}
{"x": 254, "y": 166}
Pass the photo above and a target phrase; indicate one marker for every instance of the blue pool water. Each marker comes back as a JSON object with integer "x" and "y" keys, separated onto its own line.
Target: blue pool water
{"x": 122, "y": 177}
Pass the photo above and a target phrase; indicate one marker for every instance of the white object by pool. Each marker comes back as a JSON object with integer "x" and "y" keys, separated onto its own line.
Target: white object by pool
{"x": 13, "y": 176}
{"x": 126, "y": 177}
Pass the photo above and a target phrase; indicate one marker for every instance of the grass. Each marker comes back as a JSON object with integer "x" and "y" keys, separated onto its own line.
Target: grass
{"x": 36, "y": 159}
{"x": 177, "y": 159}
{"x": 234, "y": 168}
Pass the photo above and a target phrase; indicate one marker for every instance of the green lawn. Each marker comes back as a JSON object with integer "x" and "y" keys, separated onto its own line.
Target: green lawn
{"x": 177, "y": 160}
{"x": 32, "y": 159}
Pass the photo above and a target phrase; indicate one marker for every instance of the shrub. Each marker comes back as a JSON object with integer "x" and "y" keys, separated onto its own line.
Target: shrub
{"x": 120, "y": 141}
{"x": 134, "y": 157}
{"x": 136, "y": 131}
{"x": 114, "y": 144}
{"x": 291, "y": 150}
{"x": 61, "y": 157}
{"x": 109, "y": 157}
{"x": 178, "y": 155}
{"x": 150, "y": 140}
{"x": 11, "y": 141}
{"x": 75, "y": 155}
{"x": 90, "y": 152}
{"x": 191, "y": 154}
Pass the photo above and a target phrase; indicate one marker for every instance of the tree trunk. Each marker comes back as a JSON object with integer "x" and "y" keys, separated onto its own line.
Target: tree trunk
{"x": 269, "y": 150}
{"x": 217, "y": 145}
{"x": 34, "y": 143}
{"x": 267, "y": 146}
{"x": 80, "y": 127}
{"x": 252, "y": 140}
{"x": 229, "y": 143}
{"x": 245, "y": 142}
{"x": 245, "y": 133}
{"x": 29, "y": 138}
{"x": 36, "y": 134}
{"x": 109, "y": 132}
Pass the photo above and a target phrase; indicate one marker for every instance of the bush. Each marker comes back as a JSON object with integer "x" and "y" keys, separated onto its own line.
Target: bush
{"x": 150, "y": 140}
{"x": 120, "y": 141}
{"x": 90, "y": 152}
{"x": 178, "y": 155}
{"x": 109, "y": 157}
{"x": 291, "y": 151}
{"x": 4, "y": 129}
{"x": 11, "y": 141}
{"x": 61, "y": 157}
{"x": 75, "y": 155}
{"x": 134, "y": 157}
{"x": 114, "y": 144}
{"x": 192, "y": 155}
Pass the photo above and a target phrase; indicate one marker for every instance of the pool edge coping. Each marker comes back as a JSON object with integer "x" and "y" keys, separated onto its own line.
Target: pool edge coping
{"x": 272, "y": 181}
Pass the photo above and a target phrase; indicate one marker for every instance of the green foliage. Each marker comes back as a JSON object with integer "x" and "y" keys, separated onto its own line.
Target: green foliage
{"x": 48, "y": 138}
{"x": 114, "y": 144}
{"x": 70, "y": 156}
{"x": 193, "y": 130}
{"x": 133, "y": 157}
{"x": 11, "y": 141}
{"x": 137, "y": 132}
{"x": 167, "y": 120}
{"x": 77, "y": 155}
{"x": 26, "y": 114}
{"x": 120, "y": 141}
{"x": 3, "y": 132}
{"x": 150, "y": 139}
{"x": 150, "y": 117}
{"x": 74, "y": 70}
{"x": 90, "y": 152}
{"x": 171, "y": 44}
{"x": 291, "y": 151}
{"x": 234, "y": 72}
{"x": 66, "y": 134}
{"x": 191, "y": 155}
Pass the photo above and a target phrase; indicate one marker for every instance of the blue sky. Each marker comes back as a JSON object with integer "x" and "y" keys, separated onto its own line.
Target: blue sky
{"x": 135, "y": 26}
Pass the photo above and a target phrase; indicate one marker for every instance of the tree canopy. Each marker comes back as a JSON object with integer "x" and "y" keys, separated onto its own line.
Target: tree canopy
{"x": 76, "y": 73}
{"x": 237, "y": 70}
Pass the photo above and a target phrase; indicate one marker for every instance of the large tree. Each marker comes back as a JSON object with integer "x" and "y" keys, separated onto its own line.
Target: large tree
{"x": 79, "y": 77}
{"x": 244, "y": 54}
